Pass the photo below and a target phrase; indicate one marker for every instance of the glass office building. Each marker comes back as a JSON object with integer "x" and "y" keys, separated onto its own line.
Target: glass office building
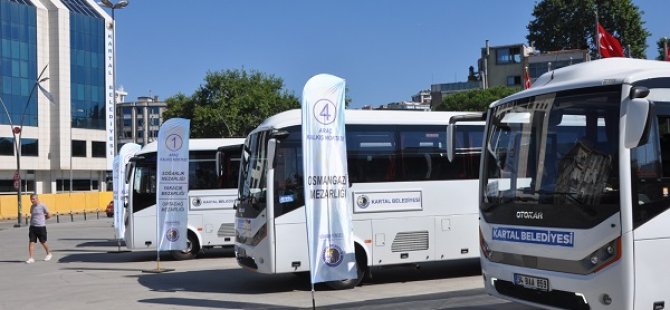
{"x": 66, "y": 45}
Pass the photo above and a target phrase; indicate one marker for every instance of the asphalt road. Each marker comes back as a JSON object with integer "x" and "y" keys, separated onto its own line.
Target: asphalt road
{"x": 89, "y": 272}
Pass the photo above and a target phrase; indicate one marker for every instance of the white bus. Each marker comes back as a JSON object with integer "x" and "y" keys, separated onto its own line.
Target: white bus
{"x": 211, "y": 198}
{"x": 409, "y": 204}
{"x": 574, "y": 189}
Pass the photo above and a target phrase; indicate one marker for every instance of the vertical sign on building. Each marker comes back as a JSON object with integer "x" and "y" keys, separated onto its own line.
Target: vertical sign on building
{"x": 120, "y": 187}
{"x": 329, "y": 229}
{"x": 109, "y": 92}
{"x": 172, "y": 185}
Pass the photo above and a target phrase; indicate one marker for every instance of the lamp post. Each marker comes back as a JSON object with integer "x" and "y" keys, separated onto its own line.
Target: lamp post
{"x": 114, "y": 6}
{"x": 16, "y": 133}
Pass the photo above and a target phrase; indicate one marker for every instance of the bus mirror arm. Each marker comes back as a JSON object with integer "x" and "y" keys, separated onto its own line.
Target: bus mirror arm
{"x": 272, "y": 149}
{"x": 450, "y": 129}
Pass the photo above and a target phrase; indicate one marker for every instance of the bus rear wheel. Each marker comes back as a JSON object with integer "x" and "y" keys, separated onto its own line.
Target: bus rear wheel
{"x": 361, "y": 271}
{"x": 192, "y": 249}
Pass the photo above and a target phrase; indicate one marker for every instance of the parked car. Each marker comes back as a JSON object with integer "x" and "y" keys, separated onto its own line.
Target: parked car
{"x": 110, "y": 209}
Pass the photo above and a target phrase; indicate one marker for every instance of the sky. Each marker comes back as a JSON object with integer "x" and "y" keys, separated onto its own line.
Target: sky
{"x": 386, "y": 51}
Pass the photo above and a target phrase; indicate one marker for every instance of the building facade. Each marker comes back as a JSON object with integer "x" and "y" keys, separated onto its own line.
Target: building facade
{"x": 504, "y": 65}
{"x": 56, "y": 83}
{"x": 139, "y": 121}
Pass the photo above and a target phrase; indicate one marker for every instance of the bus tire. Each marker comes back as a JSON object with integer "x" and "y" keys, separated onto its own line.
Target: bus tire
{"x": 192, "y": 249}
{"x": 361, "y": 271}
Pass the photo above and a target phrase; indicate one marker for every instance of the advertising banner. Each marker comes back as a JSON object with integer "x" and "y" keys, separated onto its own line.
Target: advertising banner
{"x": 172, "y": 184}
{"x": 126, "y": 152}
{"x": 329, "y": 228}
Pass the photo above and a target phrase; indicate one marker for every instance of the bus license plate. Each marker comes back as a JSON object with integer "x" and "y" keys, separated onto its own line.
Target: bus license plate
{"x": 534, "y": 283}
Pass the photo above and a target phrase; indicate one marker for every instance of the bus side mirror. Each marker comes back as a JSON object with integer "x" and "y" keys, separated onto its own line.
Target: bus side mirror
{"x": 129, "y": 172}
{"x": 638, "y": 111}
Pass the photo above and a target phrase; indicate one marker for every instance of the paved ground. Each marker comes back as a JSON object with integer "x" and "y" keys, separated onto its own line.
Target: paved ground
{"x": 88, "y": 272}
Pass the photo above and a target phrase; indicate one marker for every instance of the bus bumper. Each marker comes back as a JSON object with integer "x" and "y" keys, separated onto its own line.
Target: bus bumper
{"x": 605, "y": 289}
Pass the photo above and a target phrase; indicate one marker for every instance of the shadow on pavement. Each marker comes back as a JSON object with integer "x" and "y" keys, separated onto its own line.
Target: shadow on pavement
{"x": 111, "y": 253}
{"x": 236, "y": 281}
{"x": 210, "y": 304}
{"x": 425, "y": 271}
{"x": 475, "y": 299}
{"x": 240, "y": 281}
{"x": 105, "y": 257}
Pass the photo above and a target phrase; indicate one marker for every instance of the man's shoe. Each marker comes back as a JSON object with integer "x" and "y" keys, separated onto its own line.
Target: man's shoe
{"x": 48, "y": 257}
{"x": 30, "y": 261}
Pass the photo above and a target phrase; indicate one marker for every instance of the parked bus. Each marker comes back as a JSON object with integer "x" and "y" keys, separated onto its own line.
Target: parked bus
{"x": 574, "y": 185}
{"x": 409, "y": 204}
{"x": 211, "y": 197}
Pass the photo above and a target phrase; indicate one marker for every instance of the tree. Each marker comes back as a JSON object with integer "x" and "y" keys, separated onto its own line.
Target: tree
{"x": 661, "y": 48}
{"x": 570, "y": 24}
{"x": 231, "y": 103}
{"x": 476, "y": 99}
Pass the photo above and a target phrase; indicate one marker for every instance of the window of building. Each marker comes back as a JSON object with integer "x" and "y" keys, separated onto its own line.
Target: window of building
{"x": 7, "y": 186}
{"x": 508, "y": 55}
{"x": 63, "y": 185}
{"x": 98, "y": 149}
{"x": 29, "y": 147}
{"x": 18, "y": 61}
{"x": 78, "y": 148}
{"x": 6, "y": 146}
{"x": 87, "y": 65}
{"x": 513, "y": 80}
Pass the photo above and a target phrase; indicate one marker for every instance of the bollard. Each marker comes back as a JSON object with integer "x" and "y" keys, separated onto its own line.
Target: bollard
{"x": 97, "y": 214}
{"x": 84, "y": 214}
{"x": 57, "y": 217}
{"x": 71, "y": 217}
{"x": 27, "y": 218}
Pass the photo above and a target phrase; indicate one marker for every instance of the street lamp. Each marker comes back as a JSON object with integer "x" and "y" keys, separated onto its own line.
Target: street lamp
{"x": 114, "y": 6}
{"x": 16, "y": 133}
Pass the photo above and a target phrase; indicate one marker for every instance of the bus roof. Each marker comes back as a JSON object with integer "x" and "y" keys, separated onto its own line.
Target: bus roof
{"x": 607, "y": 71}
{"x": 376, "y": 117}
{"x": 198, "y": 144}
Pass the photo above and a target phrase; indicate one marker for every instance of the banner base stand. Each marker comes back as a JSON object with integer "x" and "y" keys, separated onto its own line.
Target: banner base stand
{"x": 157, "y": 270}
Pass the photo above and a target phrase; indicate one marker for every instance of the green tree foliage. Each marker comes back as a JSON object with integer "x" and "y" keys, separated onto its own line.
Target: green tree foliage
{"x": 661, "y": 48}
{"x": 476, "y": 99}
{"x": 570, "y": 24}
{"x": 231, "y": 103}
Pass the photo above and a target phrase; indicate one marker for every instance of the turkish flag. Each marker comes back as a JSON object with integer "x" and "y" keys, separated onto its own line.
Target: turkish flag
{"x": 609, "y": 45}
{"x": 667, "y": 57}
{"x": 526, "y": 79}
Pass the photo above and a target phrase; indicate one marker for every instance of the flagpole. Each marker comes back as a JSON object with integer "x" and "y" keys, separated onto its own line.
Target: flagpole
{"x": 597, "y": 36}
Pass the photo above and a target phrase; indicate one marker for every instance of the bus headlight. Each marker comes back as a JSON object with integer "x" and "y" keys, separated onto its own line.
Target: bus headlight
{"x": 604, "y": 256}
{"x": 594, "y": 259}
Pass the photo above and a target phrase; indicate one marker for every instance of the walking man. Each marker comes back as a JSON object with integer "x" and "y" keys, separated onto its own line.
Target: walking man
{"x": 38, "y": 228}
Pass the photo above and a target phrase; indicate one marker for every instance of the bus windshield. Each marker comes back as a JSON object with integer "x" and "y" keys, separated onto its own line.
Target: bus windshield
{"x": 252, "y": 185}
{"x": 551, "y": 160}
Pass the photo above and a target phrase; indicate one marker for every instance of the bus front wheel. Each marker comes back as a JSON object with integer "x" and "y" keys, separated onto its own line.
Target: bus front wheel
{"x": 192, "y": 248}
{"x": 361, "y": 271}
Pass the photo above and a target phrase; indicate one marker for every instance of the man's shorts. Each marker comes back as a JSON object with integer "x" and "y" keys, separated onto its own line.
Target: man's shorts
{"x": 37, "y": 232}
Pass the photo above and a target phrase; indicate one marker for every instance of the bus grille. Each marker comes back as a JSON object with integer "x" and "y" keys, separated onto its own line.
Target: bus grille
{"x": 410, "y": 241}
{"x": 553, "y": 298}
{"x": 226, "y": 230}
